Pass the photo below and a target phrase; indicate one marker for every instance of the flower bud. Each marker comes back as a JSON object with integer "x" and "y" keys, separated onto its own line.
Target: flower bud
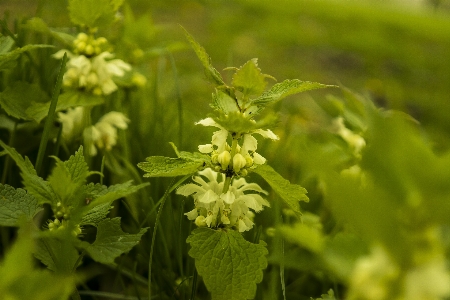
{"x": 249, "y": 161}
{"x": 224, "y": 159}
{"x": 200, "y": 221}
{"x": 243, "y": 173}
{"x": 214, "y": 158}
{"x": 82, "y": 36}
{"x": 81, "y": 46}
{"x": 238, "y": 162}
{"x": 89, "y": 50}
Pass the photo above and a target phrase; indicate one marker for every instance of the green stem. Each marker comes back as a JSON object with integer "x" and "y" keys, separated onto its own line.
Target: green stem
{"x": 158, "y": 215}
{"x": 194, "y": 285}
{"x": 51, "y": 115}
{"x": 7, "y": 158}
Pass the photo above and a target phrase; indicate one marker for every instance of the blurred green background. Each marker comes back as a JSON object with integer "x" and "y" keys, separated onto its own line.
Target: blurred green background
{"x": 394, "y": 51}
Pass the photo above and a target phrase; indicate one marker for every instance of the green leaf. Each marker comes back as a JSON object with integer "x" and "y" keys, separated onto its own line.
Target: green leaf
{"x": 107, "y": 195}
{"x": 8, "y": 60}
{"x": 34, "y": 184}
{"x": 305, "y": 236}
{"x": 290, "y": 193}
{"x": 27, "y": 101}
{"x": 37, "y": 111}
{"x": 211, "y": 73}
{"x": 230, "y": 266}
{"x": 249, "y": 80}
{"x": 77, "y": 167}
{"x": 327, "y": 296}
{"x": 160, "y": 166}
{"x": 18, "y": 98}
{"x": 58, "y": 254}
{"x": 223, "y": 102}
{"x": 38, "y": 25}
{"x": 17, "y": 269}
{"x": 16, "y": 204}
{"x": 286, "y": 88}
{"x": 111, "y": 241}
{"x": 238, "y": 122}
{"x": 91, "y": 13}
{"x": 96, "y": 215}
{"x": 6, "y": 43}
{"x": 68, "y": 177}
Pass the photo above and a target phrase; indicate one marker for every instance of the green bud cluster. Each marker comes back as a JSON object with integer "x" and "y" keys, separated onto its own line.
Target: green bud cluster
{"x": 61, "y": 211}
{"x": 60, "y": 225}
{"x": 88, "y": 46}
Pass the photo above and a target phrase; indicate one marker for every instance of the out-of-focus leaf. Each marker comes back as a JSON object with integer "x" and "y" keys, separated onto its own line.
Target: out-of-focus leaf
{"x": 7, "y": 60}
{"x": 17, "y": 269}
{"x": 290, "y": 193}
{"x": 92, "y": 14}
{"x": 16, "y": 204}
{"x": 211, "y": 73}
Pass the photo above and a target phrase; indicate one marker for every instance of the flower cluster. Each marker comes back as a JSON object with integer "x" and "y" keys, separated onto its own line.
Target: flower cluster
{"x": 244, "y": 157}
{"x": 90, "y": 68}
{"x": 72, "y": 123}
{"x": 215, "y": 208}
{"x": 354, "y": 140}
{"x": 103, "y": 135}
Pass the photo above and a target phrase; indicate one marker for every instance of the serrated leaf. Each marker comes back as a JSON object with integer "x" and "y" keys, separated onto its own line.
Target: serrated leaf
{"x": 111, "y": 241}
{"x": 108, "y": 195}
{"x": 68, "y": 177}
{"x": 230, "y": 266}
{"x": 91, "y": 13}
{"x": 96, "y": 214}
{"x": 327, "y": 296}
{"x": 34, "y": 184}
{"x": 224, "y": 102}
{"x": 77, "y": 167}
{"x": 211, "y": 73}
{"x": 160, "y": 166}
{"x": 286, "y": 88}
{"x": 16, "y": 204}
{"x": 248, "y": 79}
{"x": 8, "y": 60}
{"x": 290, "y": 193}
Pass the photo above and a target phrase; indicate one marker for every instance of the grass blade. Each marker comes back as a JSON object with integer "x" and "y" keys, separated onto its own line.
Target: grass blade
{"x": 50, "y": 116}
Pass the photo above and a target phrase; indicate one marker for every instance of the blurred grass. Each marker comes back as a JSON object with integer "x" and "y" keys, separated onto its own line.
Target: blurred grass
{"x": 398, "y": 55}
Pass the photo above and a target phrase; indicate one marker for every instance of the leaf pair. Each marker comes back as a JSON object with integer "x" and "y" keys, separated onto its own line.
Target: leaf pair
{"x": 250, "y": 82}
